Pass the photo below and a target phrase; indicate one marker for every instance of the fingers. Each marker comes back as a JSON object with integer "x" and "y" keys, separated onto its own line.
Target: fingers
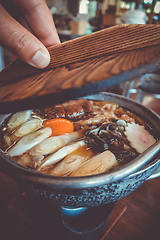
{"x": 21, "y": 42}
{"x": 40, "y": 20}
{"x": 37, "y": 19}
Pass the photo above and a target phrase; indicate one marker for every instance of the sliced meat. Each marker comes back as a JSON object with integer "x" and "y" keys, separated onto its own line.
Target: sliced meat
{"x": 73, "y": 110}
{"x": 96, "y": 119}
{"x": 69, "y": 111}
{"x": 58, "y": 111}
{"x": 78, "y": 110}
{"x": 127, "y": 118}
{"x": 46, "y": 112}
{"x": 87, "y": 105}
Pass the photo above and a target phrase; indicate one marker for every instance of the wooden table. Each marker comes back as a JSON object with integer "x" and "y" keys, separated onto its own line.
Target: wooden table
{"x": 136, "y": 216}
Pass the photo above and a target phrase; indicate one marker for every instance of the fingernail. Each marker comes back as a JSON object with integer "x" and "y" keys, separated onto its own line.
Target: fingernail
{"x": 41, "y": 59}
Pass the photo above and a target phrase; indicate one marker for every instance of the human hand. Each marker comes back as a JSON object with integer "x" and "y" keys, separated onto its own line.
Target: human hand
{"x": 26, "y": 29}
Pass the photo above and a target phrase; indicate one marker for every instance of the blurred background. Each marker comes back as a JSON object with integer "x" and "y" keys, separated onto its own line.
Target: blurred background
{"x": 85, "y": 16}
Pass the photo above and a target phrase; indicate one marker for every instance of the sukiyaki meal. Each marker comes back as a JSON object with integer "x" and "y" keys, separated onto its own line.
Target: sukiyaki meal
{"x": 77, "y": 138}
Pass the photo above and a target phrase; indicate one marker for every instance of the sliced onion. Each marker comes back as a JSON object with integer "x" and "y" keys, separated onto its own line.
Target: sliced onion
{"x": 67, "y": 166}
{"x": 61, "y": 153}
{"x": 29, "y": 141}
{"x": 96, "y": 165}
{"x": 72, "y": 162}
{"x": 28, "y": 127}
{"x": 52, "y": 144}
{"x": 17, "y": 119}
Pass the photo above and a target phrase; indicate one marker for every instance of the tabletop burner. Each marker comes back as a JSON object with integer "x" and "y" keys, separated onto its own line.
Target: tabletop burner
{"x": 65, "y": 223}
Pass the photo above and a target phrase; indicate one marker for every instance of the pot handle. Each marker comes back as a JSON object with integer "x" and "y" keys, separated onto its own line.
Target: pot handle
{"x": 155, "y": 174}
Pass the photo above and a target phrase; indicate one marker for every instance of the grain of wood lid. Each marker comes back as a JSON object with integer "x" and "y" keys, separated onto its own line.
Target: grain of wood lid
{"x": 112, "y": 40}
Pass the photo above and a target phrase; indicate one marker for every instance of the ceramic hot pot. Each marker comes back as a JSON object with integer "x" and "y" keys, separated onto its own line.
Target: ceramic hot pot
{"x": 91, "y": 190}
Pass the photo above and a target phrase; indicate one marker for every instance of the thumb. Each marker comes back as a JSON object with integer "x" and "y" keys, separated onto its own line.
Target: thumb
{"x": 21, "y": 42}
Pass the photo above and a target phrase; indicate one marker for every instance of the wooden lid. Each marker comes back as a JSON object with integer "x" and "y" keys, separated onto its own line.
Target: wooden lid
{"x": 82, "y": 66}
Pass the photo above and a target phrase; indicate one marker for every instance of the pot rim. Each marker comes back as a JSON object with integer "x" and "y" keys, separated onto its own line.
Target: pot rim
{"x": 32, "y": 176}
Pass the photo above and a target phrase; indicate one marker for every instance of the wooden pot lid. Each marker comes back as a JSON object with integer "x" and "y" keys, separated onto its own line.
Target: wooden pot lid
{"x": 82, "y": 66}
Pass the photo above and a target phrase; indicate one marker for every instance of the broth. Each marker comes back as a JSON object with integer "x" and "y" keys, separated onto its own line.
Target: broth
{"x": 77, "y": 138}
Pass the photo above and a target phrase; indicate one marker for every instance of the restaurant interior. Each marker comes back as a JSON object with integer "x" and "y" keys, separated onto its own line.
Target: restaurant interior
{"x": 136, "y": 216}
